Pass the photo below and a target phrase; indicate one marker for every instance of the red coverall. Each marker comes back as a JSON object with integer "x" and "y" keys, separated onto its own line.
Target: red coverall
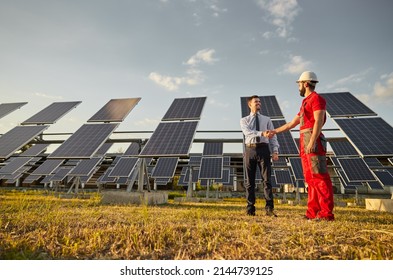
{"x": 320, "y": 189}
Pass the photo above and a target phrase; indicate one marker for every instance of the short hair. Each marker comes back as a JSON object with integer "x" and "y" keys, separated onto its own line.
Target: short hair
{"x": 251, "y": 98}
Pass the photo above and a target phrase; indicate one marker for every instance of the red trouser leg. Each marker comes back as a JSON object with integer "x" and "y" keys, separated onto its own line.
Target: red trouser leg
{"x": 320, "y": 189}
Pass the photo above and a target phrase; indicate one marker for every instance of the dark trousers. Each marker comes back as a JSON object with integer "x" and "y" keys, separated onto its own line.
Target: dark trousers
{"x": 258, "y": 157}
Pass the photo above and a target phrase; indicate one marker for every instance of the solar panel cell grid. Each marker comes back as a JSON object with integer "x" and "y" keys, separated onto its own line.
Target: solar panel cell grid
{"x": 384, "y": 177}
{"x": 356, "y": 170}
{"x": 283, "y": 177}
{"x": 343, "y": 148}
{"x": 211, "y": 168}
{"x": 47, "y": 167}
{"x": 269, "y": 107}
{"x": 85, "y": 167}
{"x": 116, "y": 110}
{"x": 14, "y": 165}
{"x": 52, "y": 113}
{"x": 165, "y": 167}
{"x": 185, "y": 109}
{"x": 35, "y": 150}
{"x": 288, "y": 146}
{"x": 123, "y": 167}
{"x": 7, "y": 108}
{"x": 213, "y": 149}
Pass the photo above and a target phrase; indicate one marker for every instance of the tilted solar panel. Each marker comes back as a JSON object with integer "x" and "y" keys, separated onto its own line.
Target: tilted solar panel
{"x": 170, "y": 139}
{"x": 31, "y": 179}
{"x": 356, "y": 170}
{"x": 47, "y": 167}
{"x": 373, "y": 162}
{"x": 375, "y": 185}
{"x": 343, "y": 148}
{"x": 185, "y": 109}
{"x": 17, "y": 137}
{"x": 165, "y": 167}
{"x": 195, "y": 160}
{"x": 281, "y": 162}
{"x": 60, "y": 174}
{"x": 344, "y": 104}
{"x": 34, "y": 150}
{"x": 287, "y": 144}
{"x": 7, "y": 108}
{"x": 296, "y": 165}
{"x": 52, "y": 113}
{"x": 132, "y": 150}
{"x": 14, "y": 165}
{"x": 85, "y": 167}
{"x": 372, "y": 137}
{"x": 85, "y": 141}
{"x": 226, "y": 177}
{"x": 213, "y": 149}
{"x": 384, "y": 177}
{"x": 123, "y": 167}
{"x": 282, "y": 176}
{"x": 211, "y": 168}
{"x": 269, "y": 107}
{"x": 116, "y": 110}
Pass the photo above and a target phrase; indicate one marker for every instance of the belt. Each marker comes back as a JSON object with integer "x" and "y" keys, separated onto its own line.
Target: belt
{"x": 256, "y": 145}
{"x": 306, "y": 130}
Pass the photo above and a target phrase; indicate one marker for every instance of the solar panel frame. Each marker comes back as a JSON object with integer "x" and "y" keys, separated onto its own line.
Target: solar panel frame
{"x": 384, "y": 177}
{"x": 211, "y": 168}
{"x": 269, "y": 108}
{"x": 185, "y": 109}
{"x": 31, "y": 179}
{"x": 195, "y": 160}
{"x": 132, "y": 150}
{"x": 8, "y": 108}
{"x": 356, "y": 170}
{"x": 375, "y": 185}
{"x": 52, "y": 113}
{"x": 17, "y": 137}
{"x": 297, "y": 168}
{"x": 115, "y": 110}
{"x": 281, "y": 162}
{"x": 85, "y": 142}
{"x": 104, "y": 178}
{"x": 372, "y": 137}
{"x": 170, "y": 139}
{"x": 165, "y": 167}
{"x": 344, "y": 104}
{"x": 47, "y": 167}
{"x": 226, "y": 177}
{"x": 373, "y": 162}
{"x": 60, "y": 174}
{"x": 85, "y": 167}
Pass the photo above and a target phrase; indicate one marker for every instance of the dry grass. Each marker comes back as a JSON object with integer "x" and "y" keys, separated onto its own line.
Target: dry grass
{"x": 38, "y": 226}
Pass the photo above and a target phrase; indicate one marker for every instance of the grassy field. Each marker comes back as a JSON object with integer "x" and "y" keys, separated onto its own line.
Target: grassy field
{"x": 38, "y": 225}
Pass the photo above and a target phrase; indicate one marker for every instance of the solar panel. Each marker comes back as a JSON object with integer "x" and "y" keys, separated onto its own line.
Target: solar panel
{"x": 213, "y": 149}
{"x": 162, "y": 181}
{"x": 375, "y": 185}
{"x": 281, "y": 162}
{"x": 185, "y": 109}
{"x": 14, "y": 165}
{"x": 373, "y": 162}
{"x": 384, "y": 177}
{"x": 344, "y": 104}
{"x": 122, "y": 180}
{"x": 343, "y": 148}
{"x": 390, "y": 160}
{"x": 370, "y": 136}
{"x": 17, "y": 137}
{"x": 195, "y": 161}
{"x": 85, "y": 141}
{"x": 116, "y": 110}
{"x": 34, "y": 150}
{"x": 51, "y": 113}
{"x": 269, "y": 107}
{"x": 170, "y": 139}
{"x": 285, "y": 140}
{"x": 296, "y": 165}
{"x": 211, "y": 168}
{"x": 104, "y": 178}
{"x": 356, "y": 170}
{"x": 47, "y": 167}
{"x": 31, "y": 178}
{"x": 226, "y": 177}
{"x": 60, "y": 174}
{"x": 103, "y": 149}
{"x": 132, "y": 150}
{"x": 283, "y": 176}
{"x": 7, "y": 108}
{"x": 123, "y": 167}
{"x": 85, "y": 167}
{"x": 227, "y": 161}
{"x": 165, "y": 167}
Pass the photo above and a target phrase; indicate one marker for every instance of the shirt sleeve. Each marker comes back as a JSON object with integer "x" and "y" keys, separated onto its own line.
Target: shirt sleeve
{"x": 273, "y": 141}
{"x": 319, "y": 103}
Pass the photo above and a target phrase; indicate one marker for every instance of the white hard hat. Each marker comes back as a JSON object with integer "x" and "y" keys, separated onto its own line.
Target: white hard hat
{"x": 308, "y": 76}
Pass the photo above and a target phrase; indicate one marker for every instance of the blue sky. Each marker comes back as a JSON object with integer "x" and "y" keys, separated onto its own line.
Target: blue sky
{"x": 96, "y": 50}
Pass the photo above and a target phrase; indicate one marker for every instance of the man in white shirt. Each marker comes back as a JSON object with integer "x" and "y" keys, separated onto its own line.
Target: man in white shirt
{"x": 257, "y": 154}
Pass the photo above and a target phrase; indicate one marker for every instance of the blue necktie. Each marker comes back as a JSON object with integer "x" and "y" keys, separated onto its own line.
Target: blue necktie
{"x": 258, "y": 138}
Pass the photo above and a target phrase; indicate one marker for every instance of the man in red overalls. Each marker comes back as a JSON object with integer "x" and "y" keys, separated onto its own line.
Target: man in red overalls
{"x": 312, "y": 117}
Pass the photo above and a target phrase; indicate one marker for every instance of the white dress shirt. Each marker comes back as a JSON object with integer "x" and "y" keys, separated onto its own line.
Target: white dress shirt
{"x": 247, "y": 125}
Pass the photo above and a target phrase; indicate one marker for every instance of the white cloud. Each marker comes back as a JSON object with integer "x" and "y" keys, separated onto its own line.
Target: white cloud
{"x": 384, "y": 90}
{"x": 297, "y": 65}
{"x": 43, "y": 95}
{"x": 350, "y": 79}
{"x": 201, "y": 56}
{"x": 193, "y": 76}
{"x": 281, "y": 14}
{"x": 147, "y": 122}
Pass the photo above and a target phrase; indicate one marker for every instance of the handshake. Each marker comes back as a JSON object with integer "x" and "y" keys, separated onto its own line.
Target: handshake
{"x": 269, "y": 133}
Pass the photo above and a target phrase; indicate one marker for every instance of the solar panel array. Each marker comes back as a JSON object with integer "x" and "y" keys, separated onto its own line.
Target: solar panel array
{"x": 17, "y": 137}
{"x": 384, "y": 177}
{"x": 34, "y": 150}
{"x": 282, "y": 176}
{"x": 356, "y": 170}
{"x": 116, "y": 110}
{"x": 296, "y": 165}
{"x": 211, "y": 168}
{"x": 47, "y": 167}
{"x": 344, "y": 104}
{"x": 14, "y": 165}
{"x": 371, "y": 136}
{"x": 288, "y": 145}
{"x": 52, "y": 113}
{"x": 165, "y": 167}
{"x": 185, "y": 109}
{"x": 343, "y": 148}
{"x": 123, "y": 167}
{"x": 85, "y": 166}
{"x": 213, "y": 149}
{"x": 7, "y": 108}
